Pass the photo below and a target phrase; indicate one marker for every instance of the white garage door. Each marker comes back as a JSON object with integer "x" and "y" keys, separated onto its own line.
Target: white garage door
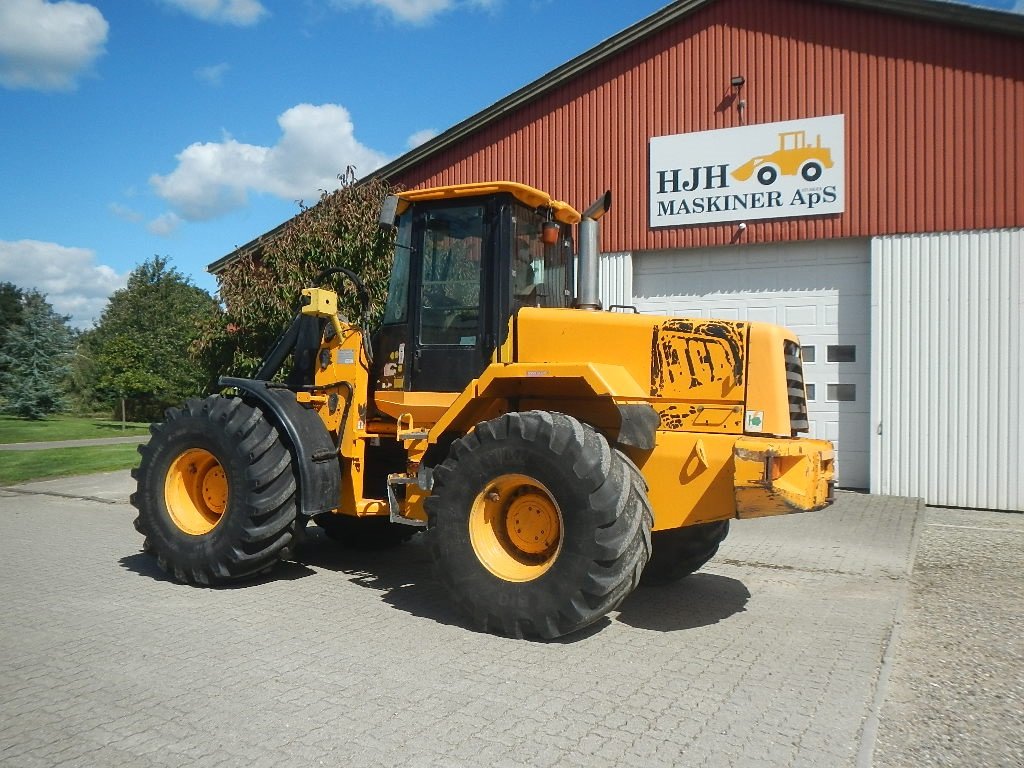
{"x": 820, "y": 290}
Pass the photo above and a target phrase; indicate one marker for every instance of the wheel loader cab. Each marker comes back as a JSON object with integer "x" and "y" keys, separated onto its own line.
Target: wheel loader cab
{"x": 464, "y": 264}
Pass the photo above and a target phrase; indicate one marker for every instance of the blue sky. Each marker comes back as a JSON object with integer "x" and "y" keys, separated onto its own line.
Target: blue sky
{"x": 187, "y": 127}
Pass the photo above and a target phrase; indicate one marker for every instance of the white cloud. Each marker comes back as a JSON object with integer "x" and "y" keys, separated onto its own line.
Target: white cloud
{"x": 414, "y": 11}
{"x": 125, "y": 213}
{"x": 214, "y": 74}
{"x": 164, "y": 225}
{"x": 420, "y": 137}
{"x": 241, "y": 13}
{"x": 70, "y": 277}
{"x": 317, "y": 143}
{"x": 48, "y": 46}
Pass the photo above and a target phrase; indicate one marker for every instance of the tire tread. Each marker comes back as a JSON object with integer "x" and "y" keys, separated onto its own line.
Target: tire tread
{"x": 268, "y": 492}
{"x": 619, "y": 515}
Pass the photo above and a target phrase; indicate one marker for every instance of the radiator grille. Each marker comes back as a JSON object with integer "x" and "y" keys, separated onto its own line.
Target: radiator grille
{"x": 795, "y": 388}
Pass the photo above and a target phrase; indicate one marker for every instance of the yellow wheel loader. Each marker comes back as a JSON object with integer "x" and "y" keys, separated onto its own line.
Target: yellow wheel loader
{"x": 555, "y": 454}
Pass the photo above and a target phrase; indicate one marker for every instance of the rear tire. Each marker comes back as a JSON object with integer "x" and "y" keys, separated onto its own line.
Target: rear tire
{"x": 217, "y": 493}
{"x": 365, "y": 534}
{"x": 678, "y": 552}
{"x": 536, "y": 526}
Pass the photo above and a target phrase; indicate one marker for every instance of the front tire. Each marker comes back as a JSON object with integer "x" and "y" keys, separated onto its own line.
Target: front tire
{"x": 217, "y": 493}
{"x": 537, "y": 526}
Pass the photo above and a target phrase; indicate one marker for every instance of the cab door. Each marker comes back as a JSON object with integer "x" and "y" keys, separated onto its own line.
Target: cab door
{"x": 453, "y": 326}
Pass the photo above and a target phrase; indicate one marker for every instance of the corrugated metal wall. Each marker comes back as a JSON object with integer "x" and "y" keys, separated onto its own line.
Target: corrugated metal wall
{"x": 615, "y": 281}
{"x": 947, "y": 368}
{"x": 934, "y": 118}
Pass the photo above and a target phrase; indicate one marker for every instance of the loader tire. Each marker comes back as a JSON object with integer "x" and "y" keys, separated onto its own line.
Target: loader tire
{"x": 678, "y": 552}
{"x": 536, "y": 526}
{"x": 365, "y": 534}
{"x": 217, "y": 492}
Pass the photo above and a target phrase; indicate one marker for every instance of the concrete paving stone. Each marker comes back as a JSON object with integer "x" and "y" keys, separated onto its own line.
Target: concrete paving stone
{"x": 773, "y": 651}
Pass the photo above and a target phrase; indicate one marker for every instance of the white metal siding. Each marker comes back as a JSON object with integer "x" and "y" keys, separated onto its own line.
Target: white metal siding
{"x": 616, "y": 280}
{"x": 946, "y": 368}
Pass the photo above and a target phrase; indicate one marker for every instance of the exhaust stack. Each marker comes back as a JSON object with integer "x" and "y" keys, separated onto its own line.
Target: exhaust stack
{"x": 588, "y": 277}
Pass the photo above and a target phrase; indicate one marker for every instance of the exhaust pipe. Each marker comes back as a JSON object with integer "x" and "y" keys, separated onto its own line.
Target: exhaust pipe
{"x": 588, "y": 264}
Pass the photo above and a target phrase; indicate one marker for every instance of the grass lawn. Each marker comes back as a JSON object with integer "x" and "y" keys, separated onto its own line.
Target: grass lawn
{"x": 15, "y": 430}
{"x": 21, "y": 466}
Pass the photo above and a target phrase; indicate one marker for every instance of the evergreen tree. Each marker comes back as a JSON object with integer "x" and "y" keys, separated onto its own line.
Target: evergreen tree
{"x": 11, "y": 300}
{"x": 35, "y": 357}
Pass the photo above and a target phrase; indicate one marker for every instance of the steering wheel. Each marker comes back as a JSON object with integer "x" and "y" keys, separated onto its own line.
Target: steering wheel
{"x": 437, "y": 299}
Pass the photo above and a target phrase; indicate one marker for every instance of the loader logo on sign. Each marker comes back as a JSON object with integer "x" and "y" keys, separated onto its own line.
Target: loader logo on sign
{"x": 768, "y": 171}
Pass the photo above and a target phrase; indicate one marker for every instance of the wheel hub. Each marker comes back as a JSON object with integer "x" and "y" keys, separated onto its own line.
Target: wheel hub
{"x": 196, "y": 491}
{"x": 515, "y": 527}
{"x": 532, "y": 523}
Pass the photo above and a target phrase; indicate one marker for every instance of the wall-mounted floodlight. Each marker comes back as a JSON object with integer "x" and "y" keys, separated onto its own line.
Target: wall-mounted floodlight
{"x": 737, "y": 82}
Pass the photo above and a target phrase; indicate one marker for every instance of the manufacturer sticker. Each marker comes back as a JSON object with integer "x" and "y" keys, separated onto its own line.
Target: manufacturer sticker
{"x": 346, "y": 356}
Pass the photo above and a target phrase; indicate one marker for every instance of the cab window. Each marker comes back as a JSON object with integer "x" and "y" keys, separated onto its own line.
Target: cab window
{"x": 397, "y": 306}
{"x": 453, "y": 241}
{"x": 540, "y": 271}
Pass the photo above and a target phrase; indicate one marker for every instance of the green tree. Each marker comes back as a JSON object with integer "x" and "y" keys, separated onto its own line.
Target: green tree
{"x": 261, "y": 289}
{"x": 35, "y": 357}
{"x": 12, "y": 300}
{"x": 140, "y": 348}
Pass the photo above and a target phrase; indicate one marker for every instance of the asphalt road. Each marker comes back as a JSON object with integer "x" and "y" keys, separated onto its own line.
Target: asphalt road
{"x": 806, "y": 642}
{"x": 88, "y": 441}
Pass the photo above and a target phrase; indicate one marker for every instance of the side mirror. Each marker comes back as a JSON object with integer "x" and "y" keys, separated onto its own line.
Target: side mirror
{"x": 388, "y": 212}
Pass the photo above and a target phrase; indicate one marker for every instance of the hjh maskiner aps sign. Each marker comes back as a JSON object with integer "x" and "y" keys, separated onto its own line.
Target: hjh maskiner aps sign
{"x": 767, "y": 171}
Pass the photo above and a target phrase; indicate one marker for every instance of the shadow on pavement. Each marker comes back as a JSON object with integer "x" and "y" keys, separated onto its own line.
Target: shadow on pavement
{"x": 402, "y": 574}
{"x": 699, "y": 600}
{"x": 403, "y": 577}
{"x": 143, "y": 564}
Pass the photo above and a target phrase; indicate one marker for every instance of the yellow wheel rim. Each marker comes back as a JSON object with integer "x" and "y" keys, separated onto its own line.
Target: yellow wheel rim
{"x": 515, "y": 527}
{"x": 196, "y": 491}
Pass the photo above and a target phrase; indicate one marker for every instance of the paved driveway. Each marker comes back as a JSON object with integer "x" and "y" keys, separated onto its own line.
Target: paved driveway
{"x": 769, "y": 657}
